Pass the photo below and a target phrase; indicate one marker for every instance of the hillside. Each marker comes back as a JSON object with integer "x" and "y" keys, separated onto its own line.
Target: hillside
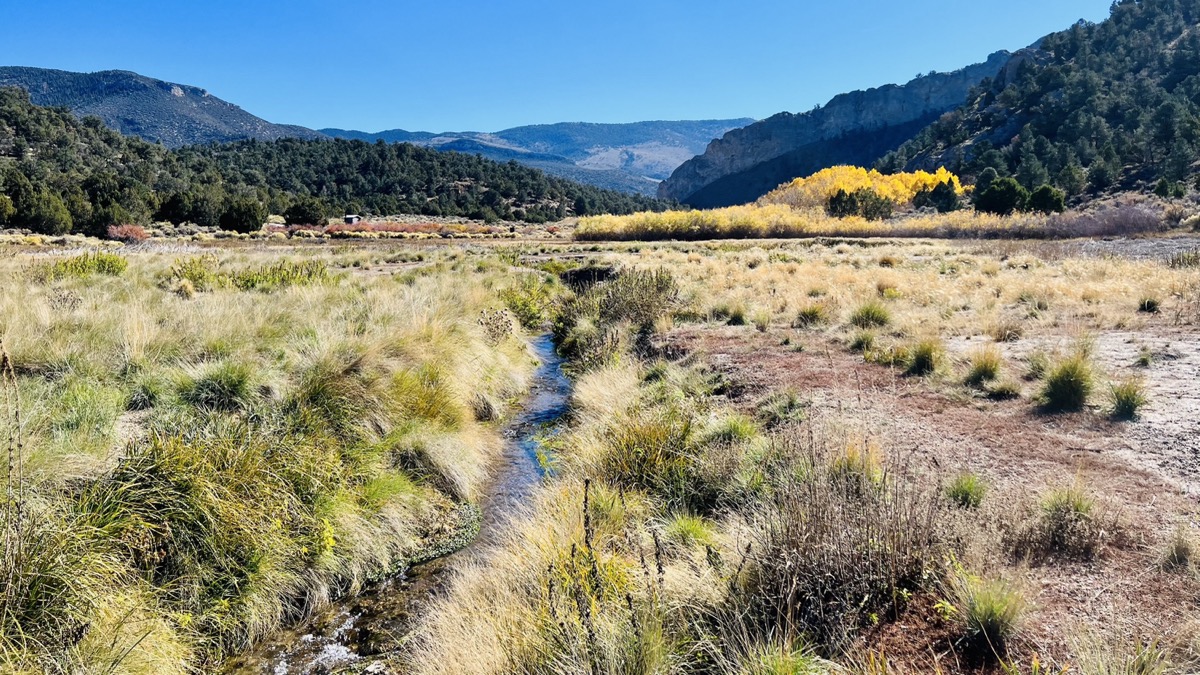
{"x": 628, "y": 157}
{"x": 63, "y": 174}
{"x": 854, "y": 128}
{"x": 1093, "y": 108}
{"x": 157, "y": 111}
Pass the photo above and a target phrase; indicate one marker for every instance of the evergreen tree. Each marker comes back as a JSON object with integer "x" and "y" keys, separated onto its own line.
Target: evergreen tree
{"x": 1048, "y": 199}
{"x": 306, "y": 211}
{"x": 1003, "y": 197}
{"x": 244, "y": 214}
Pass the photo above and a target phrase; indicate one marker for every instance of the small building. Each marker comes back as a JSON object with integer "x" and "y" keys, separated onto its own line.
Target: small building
{"x": 353, "y": 220}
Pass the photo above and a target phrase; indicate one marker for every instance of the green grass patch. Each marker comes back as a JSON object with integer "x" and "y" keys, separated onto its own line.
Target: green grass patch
{"x": 872, "y": 314}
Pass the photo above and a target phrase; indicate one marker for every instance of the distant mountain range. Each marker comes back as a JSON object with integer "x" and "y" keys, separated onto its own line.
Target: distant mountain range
{"x": 630, "y": 157}
{"x": 855, "y": 128}
{"x": 627, "y": 157}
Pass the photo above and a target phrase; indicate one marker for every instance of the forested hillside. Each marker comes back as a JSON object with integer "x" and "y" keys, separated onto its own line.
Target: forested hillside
{"x": 60, "y": 174}
{"x": 157, "y": 111}
{"x": 1093, "y": 108}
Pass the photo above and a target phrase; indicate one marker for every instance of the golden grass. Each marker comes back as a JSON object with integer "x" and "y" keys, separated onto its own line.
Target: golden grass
{"x": 281, "y": 404}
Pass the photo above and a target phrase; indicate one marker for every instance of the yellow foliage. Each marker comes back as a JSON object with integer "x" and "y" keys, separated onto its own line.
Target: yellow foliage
{"x": 815, "y": 190}
{"x": 768, "y": 221}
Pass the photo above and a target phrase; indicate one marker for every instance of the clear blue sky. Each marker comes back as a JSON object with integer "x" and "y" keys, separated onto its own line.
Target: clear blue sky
{"x": 485, "y": 65}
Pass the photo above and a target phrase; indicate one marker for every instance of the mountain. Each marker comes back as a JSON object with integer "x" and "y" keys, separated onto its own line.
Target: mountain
{"x": 59, "y": 173}
{"x": 157, "y": 111}
{"x": 854, "y": 128}
{"x": 1100, "y": 106}
{"x": 628, "y": 157}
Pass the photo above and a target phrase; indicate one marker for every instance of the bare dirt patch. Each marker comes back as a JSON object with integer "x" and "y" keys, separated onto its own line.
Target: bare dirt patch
{"x": 937, "y": 427}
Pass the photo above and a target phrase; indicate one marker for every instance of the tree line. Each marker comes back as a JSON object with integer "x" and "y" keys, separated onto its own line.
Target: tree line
{"x": 59, "y": 174}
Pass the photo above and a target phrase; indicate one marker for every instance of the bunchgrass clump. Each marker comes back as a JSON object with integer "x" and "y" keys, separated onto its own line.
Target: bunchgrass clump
{"x": 967, "y": 490}
{"x": 811, "y": 315}
{"x": 784, "y": 407}
{"x": 984, "y": 365}
{"x": 1070, "y": 524}
{"x": 1127, "y": 398}
{"x": 1180, "y": 553}
{"x": 863, "y": 342}
{"x": 226, "y": 386}
{"x": 925, "y": 357}
{"x": 1036, "y": 365}
{"x": 990, "y": 611}
{"x": 1068, "y": 385}
{"x": 872, "y": 314}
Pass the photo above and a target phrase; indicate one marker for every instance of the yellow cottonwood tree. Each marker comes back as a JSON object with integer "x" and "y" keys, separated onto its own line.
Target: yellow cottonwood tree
{"x": 815, "y": 190}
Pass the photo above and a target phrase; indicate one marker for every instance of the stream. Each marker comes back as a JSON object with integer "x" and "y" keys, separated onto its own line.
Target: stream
{"x": 352, "y": 633}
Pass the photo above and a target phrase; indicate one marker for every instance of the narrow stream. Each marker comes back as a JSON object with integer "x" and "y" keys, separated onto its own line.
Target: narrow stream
{"x": 352, "y": 631}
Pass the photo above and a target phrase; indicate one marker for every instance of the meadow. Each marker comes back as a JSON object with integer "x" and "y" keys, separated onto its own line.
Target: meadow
{"x": 205, "y": 446}
{"x": 855, "y": 456}
{"x": 825, "y": 455}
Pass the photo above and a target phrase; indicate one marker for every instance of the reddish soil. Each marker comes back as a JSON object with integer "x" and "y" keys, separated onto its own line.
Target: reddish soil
{"x": 937, "y": 427}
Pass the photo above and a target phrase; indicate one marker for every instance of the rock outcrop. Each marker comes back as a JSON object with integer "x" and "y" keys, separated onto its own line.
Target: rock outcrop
{"x": 854, "y": 128}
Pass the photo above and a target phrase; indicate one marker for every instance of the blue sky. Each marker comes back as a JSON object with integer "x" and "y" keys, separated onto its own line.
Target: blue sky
{"x": 483, "y": 65}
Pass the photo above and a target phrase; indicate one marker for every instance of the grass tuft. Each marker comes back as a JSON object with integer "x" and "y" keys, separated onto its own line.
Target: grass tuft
{"x": 1068, "y": 385}
{"x": 1127, "y": 398}
{"x": 990, "y": 611}
{"x": 984, "y": 367}
{"x": 872, "y": 314}
{"x": 967, "y": 490}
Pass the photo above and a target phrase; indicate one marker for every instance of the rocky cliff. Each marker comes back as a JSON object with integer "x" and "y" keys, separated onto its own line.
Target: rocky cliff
{"x": 854, "y": 128}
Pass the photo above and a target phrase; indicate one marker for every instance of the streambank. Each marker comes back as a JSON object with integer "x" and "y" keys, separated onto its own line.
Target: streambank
{"x": 354, "y": 632}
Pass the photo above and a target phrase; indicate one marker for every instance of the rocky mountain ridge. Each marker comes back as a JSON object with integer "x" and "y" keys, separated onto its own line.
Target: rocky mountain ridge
{"x": 853, "y": 128}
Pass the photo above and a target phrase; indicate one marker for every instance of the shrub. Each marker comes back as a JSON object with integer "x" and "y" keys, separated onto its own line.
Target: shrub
{"x": 1007, "y": 331}
{"x": 814, "y": 314}
{"x": 761, "y": 320}
{"x": 924, "y": 358}
{"x": 984, "y": 365}
{"x": 280, "y": 275}
{"x": 830, "y": 557}
{"x": 130, "y": 234}
{"x": 873, "y": 314}
{"x": 530, "y": 301}
{"x": 99, "y": 262}
{"x": 990, "y": 611}
{"x": 967, "y": 490}
{"x": 1068, "y": 385}
{"x": 1037, "y": 363}
{"x": 1003, "y": 197}
{"x": 1127, "y": 397}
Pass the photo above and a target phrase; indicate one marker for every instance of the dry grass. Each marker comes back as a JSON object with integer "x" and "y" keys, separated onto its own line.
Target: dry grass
{"x": 199, "y": 468}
